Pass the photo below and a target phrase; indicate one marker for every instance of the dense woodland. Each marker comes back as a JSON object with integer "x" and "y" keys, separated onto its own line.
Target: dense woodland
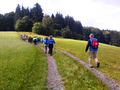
{"x": 33, "y": 19}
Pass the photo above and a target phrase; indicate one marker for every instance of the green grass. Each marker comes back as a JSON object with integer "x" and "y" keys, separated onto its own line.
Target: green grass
{"x": 76, "y": 76}
{"x": 108, "y": 55}
{"x": 23, "y": 66}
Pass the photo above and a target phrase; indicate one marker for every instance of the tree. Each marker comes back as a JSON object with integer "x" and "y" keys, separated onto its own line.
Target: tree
{"x": 24, "y": 24}
{"x": 58, "y": 19}
{"x": 24, "y": 12}
{"x": 9, "y": 21}
{"x": 52, "y": 16}
{"x": 2, "y": 22}
{"x": 66, "y": 33}
{"x": 36, "y": 13}
{"x": 38, "y": 28}
{"x": 56, "y": 26}
{"x": 86, "y": 33}
{"x": 47, "y": 24}
{"x": 57, "y": 32}
{"x": 69, "y": 21}
{"x": 17, "y": 14}
{"x": 105, "y": 37}
{"x": 78, "y": 36}
{"x": 78, "y": 27}
{"x": 17, "y": 25}
{"x": 114, "y": 38}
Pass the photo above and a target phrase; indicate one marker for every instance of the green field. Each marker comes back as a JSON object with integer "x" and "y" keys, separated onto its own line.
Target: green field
{"x": 109, "y": 56}
{"x": 74, "y": 74}
{"x": 23, "y": 66}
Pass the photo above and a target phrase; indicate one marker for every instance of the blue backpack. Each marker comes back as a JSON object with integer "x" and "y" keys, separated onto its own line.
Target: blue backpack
{"x": 46, "y": 40}
{"x": 51, "y": 41}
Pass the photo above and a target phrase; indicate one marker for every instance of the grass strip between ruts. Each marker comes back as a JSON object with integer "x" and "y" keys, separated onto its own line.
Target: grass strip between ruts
{"x": 76, "y": 76}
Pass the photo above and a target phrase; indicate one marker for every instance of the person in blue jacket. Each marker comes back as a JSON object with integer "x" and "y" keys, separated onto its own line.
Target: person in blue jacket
{"x": 35, "y": 40}
{"x": 92, "y": 51}
{"x": 50, "y": 44}
{"x": 45, "y": 43}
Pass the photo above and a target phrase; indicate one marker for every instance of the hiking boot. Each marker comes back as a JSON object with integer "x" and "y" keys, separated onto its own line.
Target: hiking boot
{"x": 98, "y": 64}
{"x": 91, "y": 66}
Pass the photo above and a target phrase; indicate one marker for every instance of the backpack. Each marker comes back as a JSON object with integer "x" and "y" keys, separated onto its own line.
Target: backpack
{"x": 51, "y": 41}
{"x": 46, "y": 40}
{"x": 94, "y": 43}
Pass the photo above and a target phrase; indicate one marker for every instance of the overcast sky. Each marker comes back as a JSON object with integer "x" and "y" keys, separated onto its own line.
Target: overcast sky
{"x": 102, "y": 14}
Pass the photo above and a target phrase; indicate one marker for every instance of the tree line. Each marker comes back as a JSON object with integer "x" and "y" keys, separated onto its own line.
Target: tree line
{"x": 33, "y": 19}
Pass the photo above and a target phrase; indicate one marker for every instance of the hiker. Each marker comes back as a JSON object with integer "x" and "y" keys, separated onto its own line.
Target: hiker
{"x": 41, "y": 40}
{"x": 93, "y": 48}
{"x": 45, "y": 43}
{"x": 50, "y": 44}
{"x": 35, "y": 40}
{"x": 30, "y": 39}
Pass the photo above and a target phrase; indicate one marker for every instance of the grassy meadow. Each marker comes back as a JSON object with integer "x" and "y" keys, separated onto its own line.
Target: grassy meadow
{"x": 23, "y": 66}
{"x": 108, "y": 56}
{"x": 74, "y": 75}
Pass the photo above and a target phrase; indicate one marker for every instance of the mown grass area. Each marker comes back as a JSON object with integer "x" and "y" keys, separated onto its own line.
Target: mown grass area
{"x": 74, "y": 75}
{"x": 23, "y": 66}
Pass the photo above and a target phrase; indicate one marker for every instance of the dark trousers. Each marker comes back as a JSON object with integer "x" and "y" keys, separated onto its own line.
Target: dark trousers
{"x": 46, "y": 49}
{"x": 50, "y": 48}
{"x": 35, "y": 42}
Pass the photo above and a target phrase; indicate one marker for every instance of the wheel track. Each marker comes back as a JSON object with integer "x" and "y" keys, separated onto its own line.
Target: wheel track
{"x": 109, "y": 82}
{"x": 53, "y": 77}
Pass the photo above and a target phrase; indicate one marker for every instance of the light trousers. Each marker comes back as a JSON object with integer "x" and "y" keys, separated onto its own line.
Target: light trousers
{"x": 94, "y": 54}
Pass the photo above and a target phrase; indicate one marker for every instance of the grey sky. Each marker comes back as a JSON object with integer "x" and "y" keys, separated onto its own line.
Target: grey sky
{"x": 102, "y": 14}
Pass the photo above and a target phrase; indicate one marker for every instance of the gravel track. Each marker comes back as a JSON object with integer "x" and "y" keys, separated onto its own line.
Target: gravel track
{"x": 109, "y": 82}
{"x": 53, "y": 77}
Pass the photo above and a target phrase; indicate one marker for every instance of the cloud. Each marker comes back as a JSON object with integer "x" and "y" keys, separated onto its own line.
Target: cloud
{"x": 103, "y": 14}
{"x": 115, "y": 3}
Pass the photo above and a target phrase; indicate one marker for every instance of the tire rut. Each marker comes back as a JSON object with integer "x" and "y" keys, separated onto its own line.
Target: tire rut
{"x": 109, "y": 82}
{"x": 53, "y": 77}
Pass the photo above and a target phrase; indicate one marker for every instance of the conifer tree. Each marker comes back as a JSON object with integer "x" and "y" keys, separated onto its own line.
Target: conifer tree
{"x": 17, "y": 14}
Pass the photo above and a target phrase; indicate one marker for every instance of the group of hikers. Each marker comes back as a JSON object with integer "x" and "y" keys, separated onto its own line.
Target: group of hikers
{"x": 48, "y": 43}
{"x": 32, "y": 39}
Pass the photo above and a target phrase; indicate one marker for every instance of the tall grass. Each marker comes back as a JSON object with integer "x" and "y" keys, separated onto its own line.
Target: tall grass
{"x": 22, "y": 65}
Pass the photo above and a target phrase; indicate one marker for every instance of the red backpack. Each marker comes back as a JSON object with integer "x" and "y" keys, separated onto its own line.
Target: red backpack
{"x": 94, "y": 43}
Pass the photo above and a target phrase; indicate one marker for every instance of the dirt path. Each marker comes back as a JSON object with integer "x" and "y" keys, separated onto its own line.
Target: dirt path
{"x": 53, "y": 77}
{"x": 110, "y": 82}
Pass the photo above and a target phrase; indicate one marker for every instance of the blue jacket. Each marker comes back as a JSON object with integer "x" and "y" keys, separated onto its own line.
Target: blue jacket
{"x": 46, "y": 40}
{"x": 51, "y": 41}
{"x": 89, "y": 45}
